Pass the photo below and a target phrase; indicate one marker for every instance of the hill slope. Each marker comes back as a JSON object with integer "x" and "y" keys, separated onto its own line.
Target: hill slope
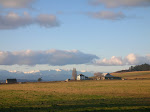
{"x": 133, "y": 75}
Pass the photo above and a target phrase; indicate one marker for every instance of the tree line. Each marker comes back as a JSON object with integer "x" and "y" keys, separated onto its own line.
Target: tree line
{"x": 143, "y": 67}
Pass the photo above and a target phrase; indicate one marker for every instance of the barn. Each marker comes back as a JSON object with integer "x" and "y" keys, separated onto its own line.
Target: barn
{"x": 107, "y": 76}
{"x": 11, "y": 81}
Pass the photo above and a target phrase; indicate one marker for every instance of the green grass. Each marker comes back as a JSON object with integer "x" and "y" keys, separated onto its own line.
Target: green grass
{"x": 81, "y": 96}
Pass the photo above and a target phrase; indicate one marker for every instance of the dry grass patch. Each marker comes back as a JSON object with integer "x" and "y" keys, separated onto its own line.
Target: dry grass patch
{"x": 133, "y": 75}
{"x": 112, "y": 95}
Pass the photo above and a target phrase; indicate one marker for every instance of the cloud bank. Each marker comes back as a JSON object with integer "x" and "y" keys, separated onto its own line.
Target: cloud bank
{"x": 107, "y": 15}
{"x": 114, "y": 61}
{"x": 130, "y": 59}
{"x": 13, "y": 20}
{"x": 67, "y": 57}
{"x": 16, "y": 3}
{"x": 121, "y": 3}
{"x": 51, "y": 57}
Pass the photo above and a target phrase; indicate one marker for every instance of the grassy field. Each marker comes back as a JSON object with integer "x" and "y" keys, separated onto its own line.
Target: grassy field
{"x": 133, "y": 75}
{"x": 80, "y": 96}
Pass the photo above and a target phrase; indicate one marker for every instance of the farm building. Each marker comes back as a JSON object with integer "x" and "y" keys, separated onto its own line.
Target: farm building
{"x": 82, "y": 77}
{"x": 11, "y": 81}
{"x": 100, "y": 78}
{"x": 67, "y": 80}
{"x": 107, "y": 76}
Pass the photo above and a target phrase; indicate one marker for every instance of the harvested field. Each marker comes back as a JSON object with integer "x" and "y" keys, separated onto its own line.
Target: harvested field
{"x": 80, "y": 96}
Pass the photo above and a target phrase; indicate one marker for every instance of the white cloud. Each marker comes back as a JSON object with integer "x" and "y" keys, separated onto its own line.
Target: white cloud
{"x": 16, "y": 3}
{"x": 13, "y": 20}
{"x": 131, "y": 59}
{"x": 121, "y": 3}
{"x": 114, "y": 61}
{"x": 51, "y": 57}
{"x": 108, "y": 15}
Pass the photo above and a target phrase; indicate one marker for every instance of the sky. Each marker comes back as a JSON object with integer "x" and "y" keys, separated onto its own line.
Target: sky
{"x": 91, "y": 35}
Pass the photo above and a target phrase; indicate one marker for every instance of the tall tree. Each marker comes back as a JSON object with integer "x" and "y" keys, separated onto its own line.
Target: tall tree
{"x": 74, "y": 74}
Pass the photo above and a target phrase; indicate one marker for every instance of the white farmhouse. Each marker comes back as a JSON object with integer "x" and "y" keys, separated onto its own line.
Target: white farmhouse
{"x": 81, "y": 77}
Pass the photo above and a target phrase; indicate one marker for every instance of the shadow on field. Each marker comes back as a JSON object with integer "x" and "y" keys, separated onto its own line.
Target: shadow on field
{"x": 69, "y": 109}
{"x": 92, "y": 105}
{"x": 72, "y": 110}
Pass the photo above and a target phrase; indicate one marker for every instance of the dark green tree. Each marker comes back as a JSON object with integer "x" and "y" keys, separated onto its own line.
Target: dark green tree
{"x": 40, "y": 79}
{"x": 143, "y": 67}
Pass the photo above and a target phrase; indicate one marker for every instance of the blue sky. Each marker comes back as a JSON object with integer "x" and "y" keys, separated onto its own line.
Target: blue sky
{"x": 113, "y": 33}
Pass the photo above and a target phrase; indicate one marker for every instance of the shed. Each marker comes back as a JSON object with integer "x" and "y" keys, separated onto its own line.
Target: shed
{"x": 11, "y": 81}
{"x": 67, "y": 80}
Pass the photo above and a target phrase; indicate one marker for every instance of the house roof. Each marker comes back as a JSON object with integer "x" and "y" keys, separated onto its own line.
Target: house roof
{"x": 80, "y": 75}
{"x": 108, "y": 75}
{"x": 12, "y": 79}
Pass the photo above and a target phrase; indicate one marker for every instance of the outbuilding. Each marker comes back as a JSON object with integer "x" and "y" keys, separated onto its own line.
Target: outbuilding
{"x": 11, "y": 81}
{"x": 108, "y": 76}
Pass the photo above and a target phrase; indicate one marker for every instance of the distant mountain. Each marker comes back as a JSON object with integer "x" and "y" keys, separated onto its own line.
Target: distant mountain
{"x": 47, "y": 75}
